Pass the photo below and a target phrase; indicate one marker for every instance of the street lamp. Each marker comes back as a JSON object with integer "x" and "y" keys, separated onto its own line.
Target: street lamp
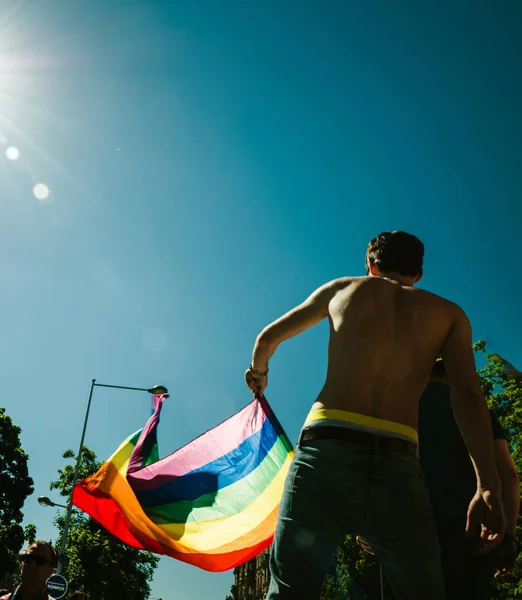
{"x": 155, "y": 390}
{"x": 45, "y": 501}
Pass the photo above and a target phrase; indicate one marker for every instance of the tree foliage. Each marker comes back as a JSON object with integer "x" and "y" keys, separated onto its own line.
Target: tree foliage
{"x": 356, "y": 575}
{"x": 15, "y": 486}
{"x": 96, "y": 561}
{"x": 30, "y": 533}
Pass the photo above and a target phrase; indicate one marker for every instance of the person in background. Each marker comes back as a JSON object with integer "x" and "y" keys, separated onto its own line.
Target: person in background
{"x": 37, "y": 564}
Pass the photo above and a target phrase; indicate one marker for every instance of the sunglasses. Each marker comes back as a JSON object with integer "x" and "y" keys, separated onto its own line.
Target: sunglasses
{"x": 33, "y": 559}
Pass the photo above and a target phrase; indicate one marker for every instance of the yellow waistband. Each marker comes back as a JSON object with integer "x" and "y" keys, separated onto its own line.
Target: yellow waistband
{"x": 343, "y": 418}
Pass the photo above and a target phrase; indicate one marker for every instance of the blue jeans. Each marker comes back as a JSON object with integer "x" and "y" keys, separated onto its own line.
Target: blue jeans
{"x": 339, "y": 487}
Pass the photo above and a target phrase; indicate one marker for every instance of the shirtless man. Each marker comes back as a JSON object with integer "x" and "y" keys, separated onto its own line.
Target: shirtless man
{"x": 356, "y": 467}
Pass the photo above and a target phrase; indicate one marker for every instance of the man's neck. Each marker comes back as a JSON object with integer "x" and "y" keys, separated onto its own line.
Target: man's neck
{"x": 397, "y": 278}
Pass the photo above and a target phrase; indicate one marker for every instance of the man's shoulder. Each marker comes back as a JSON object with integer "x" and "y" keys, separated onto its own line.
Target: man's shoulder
{"x": 443, "y": 306}
{"x": 335, "y": 285}
{"x": 341, "y": 281}
{"x": 437, "y": 298}
{"x": 430, "y": 299}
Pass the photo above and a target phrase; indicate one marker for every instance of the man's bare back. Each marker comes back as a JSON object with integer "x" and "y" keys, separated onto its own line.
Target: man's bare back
{"x": 384, "y": 340}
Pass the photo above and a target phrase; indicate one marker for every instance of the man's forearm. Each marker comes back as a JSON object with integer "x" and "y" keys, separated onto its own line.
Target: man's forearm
{"x": 262, "y": 353}
{"x": 472, "y": 416}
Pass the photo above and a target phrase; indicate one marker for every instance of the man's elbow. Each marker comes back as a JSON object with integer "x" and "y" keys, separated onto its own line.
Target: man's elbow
{"x": 467, "y": 394}
{"x": 266, "y": 340}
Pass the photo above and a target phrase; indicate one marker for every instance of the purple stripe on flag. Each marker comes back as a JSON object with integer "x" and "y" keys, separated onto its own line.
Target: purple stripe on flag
{"x": 207, "y": 447}
{"x": 147, "y": 437}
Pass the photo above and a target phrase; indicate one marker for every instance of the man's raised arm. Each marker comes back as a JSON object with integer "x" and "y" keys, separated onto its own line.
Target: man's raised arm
{"x": 313, "y": 310}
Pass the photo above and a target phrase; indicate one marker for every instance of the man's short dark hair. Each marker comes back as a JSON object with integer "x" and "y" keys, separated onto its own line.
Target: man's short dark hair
{"x": 439, "y": 370}
{"x": 53, "y": 554}
{"x": 396, "y": 252}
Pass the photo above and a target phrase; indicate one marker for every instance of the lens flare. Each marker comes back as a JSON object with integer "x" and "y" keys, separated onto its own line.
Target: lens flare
{"x": 41, "y": 191}
{"x": 12, "y": 153}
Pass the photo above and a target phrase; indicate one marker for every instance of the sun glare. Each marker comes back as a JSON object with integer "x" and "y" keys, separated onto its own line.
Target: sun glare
{"x": 41, "y": 191}
{"x": 12, "y": 153}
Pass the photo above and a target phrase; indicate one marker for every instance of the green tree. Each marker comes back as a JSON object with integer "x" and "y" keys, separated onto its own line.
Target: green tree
{"x": 15, "y": 486}
{"x": 96, "y": 561}
{"x": 30, "y": 533}
{"x": 356, "y": 575}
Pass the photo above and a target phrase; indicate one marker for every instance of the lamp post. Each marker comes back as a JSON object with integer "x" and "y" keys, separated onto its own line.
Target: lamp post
{"x": 45, "y": 501}
{"x": 157, "y": 389}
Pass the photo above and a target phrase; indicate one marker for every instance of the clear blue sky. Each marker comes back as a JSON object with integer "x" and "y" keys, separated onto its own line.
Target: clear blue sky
{"x": 210, "y": 163}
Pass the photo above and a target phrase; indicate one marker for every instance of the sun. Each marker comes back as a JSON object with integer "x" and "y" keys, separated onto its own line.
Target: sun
{"x": 16, "y": 84}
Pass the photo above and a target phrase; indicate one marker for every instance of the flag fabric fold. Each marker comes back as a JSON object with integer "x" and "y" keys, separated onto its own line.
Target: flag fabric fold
{"x": 212, "y": 503}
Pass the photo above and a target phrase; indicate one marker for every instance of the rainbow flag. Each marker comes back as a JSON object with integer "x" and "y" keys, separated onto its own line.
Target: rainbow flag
{"x": 213, "y": 503}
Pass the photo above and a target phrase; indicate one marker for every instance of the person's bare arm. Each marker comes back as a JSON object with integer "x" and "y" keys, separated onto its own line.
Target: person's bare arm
{"x": 510, "y": 485}
{"x": 472, "y": 416}
{"x": 468, "y": 402}
{"x": 313, "y": 310}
